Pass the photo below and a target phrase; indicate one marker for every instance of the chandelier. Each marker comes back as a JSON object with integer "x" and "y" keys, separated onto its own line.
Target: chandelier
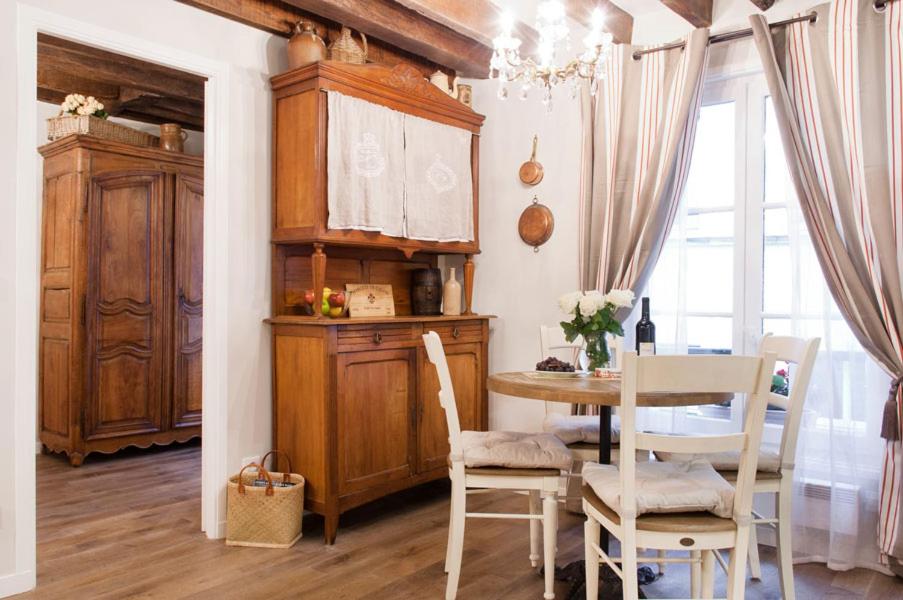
{"x": 509, "y": 67}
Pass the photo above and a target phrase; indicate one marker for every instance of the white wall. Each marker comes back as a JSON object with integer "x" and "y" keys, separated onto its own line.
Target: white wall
{"x": 252, "y": 56}
{"x": 512, "y": 281}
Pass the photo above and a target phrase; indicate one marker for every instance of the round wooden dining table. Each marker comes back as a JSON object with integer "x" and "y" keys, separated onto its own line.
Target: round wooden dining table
{"x": 596, "y": 391}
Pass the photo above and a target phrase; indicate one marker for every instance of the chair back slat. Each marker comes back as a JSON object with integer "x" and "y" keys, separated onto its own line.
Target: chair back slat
{"x": 691, "y": 444}
{"x": 750, "y": 375}
{"x": 436, "y": 354}
{"x": 553, "y": 343}
{"x": 801, "y": 352}
{"x": 702, "y": 374}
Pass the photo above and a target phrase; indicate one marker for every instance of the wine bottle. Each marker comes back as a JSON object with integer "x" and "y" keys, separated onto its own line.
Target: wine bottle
{"x": 645, "y": 332}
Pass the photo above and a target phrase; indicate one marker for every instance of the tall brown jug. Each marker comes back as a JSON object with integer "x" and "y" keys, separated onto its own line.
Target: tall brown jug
{"x": 306, "y": 46}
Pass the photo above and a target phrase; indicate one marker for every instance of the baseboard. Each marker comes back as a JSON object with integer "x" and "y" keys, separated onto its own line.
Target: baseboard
{"x": 16, "y": 583}
{"x": 220, "y": 532}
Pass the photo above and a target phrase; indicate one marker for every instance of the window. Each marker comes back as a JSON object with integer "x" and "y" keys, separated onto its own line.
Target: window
{"x": 738, "y": 262}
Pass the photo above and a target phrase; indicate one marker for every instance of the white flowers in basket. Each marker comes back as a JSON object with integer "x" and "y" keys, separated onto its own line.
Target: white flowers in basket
{"x": 76, "y": 104}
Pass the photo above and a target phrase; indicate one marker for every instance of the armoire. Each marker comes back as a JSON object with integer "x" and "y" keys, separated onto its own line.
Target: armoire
{"x": 121, "y": 297}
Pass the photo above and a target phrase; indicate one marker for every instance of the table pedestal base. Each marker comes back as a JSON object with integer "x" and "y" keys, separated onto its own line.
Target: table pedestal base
{"x": 609, "y": 583}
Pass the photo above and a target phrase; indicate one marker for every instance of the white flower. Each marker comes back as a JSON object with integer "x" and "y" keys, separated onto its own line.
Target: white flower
{"x": 620, "y": 298}
{"x": 99, "y": 106}
{"x": 82, "y": 110}
{"x": 568, "y": 302}
{"x": 591, "y": 303}
{"x": 79, "y": 98}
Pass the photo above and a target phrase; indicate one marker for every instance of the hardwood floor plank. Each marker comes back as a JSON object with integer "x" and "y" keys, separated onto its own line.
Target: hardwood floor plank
{"x": 129, "y": 527}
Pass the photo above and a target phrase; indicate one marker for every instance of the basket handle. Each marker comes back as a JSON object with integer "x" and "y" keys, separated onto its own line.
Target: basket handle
{"x": 266, "y": 474}
{"x": 286, "y": 477}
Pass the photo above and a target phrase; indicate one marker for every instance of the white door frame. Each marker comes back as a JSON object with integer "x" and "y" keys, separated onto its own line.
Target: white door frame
{"x": 31, "y": 21}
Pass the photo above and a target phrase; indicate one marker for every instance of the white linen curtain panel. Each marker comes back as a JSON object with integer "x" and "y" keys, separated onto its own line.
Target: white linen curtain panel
{"x": 837, "y": 88}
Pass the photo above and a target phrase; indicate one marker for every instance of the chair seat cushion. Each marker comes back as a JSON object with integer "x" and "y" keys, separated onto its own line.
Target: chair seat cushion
{"x": 688, "y": 522}
{"x": 514, "y": 450}
{"x": 665, "y": 487}
{"x": 579, "y": 428}
{"x": 769, "y": 459}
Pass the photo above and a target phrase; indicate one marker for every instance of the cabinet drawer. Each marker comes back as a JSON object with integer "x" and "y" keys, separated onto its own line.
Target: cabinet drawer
{"x": 456, "y": 331}
{"x": 371, "y": 337}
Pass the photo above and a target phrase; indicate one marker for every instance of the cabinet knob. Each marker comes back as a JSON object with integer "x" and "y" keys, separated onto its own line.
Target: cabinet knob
{"x": 456, "y": 333}
{"x": 377, "y": 338}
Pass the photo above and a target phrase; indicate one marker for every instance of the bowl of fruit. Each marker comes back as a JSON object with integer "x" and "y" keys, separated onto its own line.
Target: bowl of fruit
{"x": 553, "y": 367}
{"x": 334, "y": 303}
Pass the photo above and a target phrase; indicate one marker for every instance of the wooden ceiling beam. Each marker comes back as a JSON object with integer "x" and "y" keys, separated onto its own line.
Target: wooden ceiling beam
{"x": 697, "y": 13}
{"x": 278, "y": 17}
{"x": 617, "y": 21}
{"x": 763, "y": 5}
{"x": 406, "y": 29}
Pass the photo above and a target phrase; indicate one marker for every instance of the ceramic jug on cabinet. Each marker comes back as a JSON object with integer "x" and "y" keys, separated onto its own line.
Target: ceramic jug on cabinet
{"x": 451, "y": 295}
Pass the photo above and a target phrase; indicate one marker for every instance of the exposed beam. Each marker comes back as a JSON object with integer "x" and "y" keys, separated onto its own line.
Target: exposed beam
{"x": 406, "y": 29}
{"x": 696, "y": 12}
{"x": 617, "y": 22}
{"x": 763, "y": 5}
{"x": 277, "y": 17}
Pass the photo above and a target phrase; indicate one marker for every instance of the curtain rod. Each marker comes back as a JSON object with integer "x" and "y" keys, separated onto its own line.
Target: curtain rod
{"x": 739, "y": 34}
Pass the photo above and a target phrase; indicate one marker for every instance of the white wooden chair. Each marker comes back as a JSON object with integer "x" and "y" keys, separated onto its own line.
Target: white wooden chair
{"x": 540, "y": 479}
{"x": 613, "y": 499}
{"x": 579, "y": 432}
{"x": 774, "y": 473}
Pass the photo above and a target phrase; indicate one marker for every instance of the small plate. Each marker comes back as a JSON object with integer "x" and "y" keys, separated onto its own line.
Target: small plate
{"x": 559, "y": 374}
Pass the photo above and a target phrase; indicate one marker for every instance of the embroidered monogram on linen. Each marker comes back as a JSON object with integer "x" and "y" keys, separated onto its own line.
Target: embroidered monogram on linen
{"x": 368, "y": 158}
{"x": 440, "y": 176}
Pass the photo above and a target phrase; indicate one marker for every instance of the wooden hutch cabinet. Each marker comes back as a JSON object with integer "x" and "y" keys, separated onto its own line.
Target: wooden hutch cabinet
{"x": 355, "y": 401}
{"x": 121, "y": 297}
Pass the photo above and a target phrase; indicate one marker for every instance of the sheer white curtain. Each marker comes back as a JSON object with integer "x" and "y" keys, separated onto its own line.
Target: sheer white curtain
{"x": 839, "y": 452}
{"x": 739, "y": 263}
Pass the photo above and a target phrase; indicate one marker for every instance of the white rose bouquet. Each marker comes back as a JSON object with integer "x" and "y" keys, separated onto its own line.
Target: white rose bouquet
{"x": 76, "y": 104}
{"x": 593, "y": 317}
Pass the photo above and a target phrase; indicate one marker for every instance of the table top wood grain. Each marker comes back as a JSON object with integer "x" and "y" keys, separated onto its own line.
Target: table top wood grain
{"x": 588, "y": 390}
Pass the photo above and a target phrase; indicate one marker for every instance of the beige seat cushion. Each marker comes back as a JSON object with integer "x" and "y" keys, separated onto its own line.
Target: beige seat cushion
{"x": 688, "y": 522}
{"x": 665, "y": 487}
{"x": 579, "y": 428}
{"x": 769, "y": 459}
{"x": 514, "y": 450}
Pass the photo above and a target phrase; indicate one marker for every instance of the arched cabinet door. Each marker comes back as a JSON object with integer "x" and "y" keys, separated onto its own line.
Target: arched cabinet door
{"x": 124, "y": 305}
{"x": 188, "y": 264}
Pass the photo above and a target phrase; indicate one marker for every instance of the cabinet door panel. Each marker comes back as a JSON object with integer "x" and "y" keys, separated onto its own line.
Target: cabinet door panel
{"x": 124, "y": 302}
{"x": 374, "y": 403}
{"x": 465, "y": 367}
{"x": 188, "y": 261}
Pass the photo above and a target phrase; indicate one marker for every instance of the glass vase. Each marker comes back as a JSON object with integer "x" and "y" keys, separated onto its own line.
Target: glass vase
{"x": 596, "y": 347}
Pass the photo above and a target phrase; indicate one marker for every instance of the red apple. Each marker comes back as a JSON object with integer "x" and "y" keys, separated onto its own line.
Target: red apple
{"x": 309, "y": 296}
{"x": 337, "y": 299}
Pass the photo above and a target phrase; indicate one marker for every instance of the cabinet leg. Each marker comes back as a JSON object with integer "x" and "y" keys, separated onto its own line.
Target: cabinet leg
{"x": 468, "y": 284}
{"x": 318, "y": 268}
{"x": 76, "y": 459}
{"x": 330, "y": 527}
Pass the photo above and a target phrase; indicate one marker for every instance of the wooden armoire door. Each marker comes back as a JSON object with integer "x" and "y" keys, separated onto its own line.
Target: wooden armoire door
{"x": 465, "y": 366}
{"x": 375, "y": 399}
{"x": 188, "y": 263}
{"x": 124, "y": 305}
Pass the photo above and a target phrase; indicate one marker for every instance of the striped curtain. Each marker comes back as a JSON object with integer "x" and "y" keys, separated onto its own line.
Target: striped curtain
{"x": 837, "y": 88}
{"x": 638, "y": 133}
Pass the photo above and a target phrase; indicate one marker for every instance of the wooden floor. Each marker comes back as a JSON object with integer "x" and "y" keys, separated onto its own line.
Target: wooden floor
{"x": 128, "y": 527}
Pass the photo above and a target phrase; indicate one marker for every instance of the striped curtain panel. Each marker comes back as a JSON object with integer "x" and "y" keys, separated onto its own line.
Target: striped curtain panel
{"x": 638, "y": 133}
{"x": 837, "y": 89}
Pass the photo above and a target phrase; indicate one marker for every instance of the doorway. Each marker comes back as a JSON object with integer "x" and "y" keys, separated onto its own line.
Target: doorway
{"x": 30, "y": 23}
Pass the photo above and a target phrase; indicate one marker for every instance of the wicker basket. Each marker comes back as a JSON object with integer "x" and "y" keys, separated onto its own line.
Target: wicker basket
{"x": 60, "y": 127}
{"x": 346, "y": 49}
{"x": 264, "y": 517}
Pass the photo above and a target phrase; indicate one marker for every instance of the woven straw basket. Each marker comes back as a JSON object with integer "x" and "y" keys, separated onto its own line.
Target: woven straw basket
{"x": 60, "y": 127}
{"x": 264, "y": 517}
{"x": 346, "y": 49}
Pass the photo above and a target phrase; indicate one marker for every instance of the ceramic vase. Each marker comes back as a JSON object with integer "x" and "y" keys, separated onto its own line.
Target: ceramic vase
{"x": 451, "y": 295}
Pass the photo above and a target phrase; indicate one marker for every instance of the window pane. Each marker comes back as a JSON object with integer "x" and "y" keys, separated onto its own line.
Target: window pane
{"x": 778, "y": 185}
{"x": 710, "y": 277}
{"x": 710, "y": 334}
{"x": 711, "y": 179}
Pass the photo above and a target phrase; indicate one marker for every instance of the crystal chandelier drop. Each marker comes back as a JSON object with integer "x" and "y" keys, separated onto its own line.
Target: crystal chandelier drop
{"x": 508, "y": 66}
